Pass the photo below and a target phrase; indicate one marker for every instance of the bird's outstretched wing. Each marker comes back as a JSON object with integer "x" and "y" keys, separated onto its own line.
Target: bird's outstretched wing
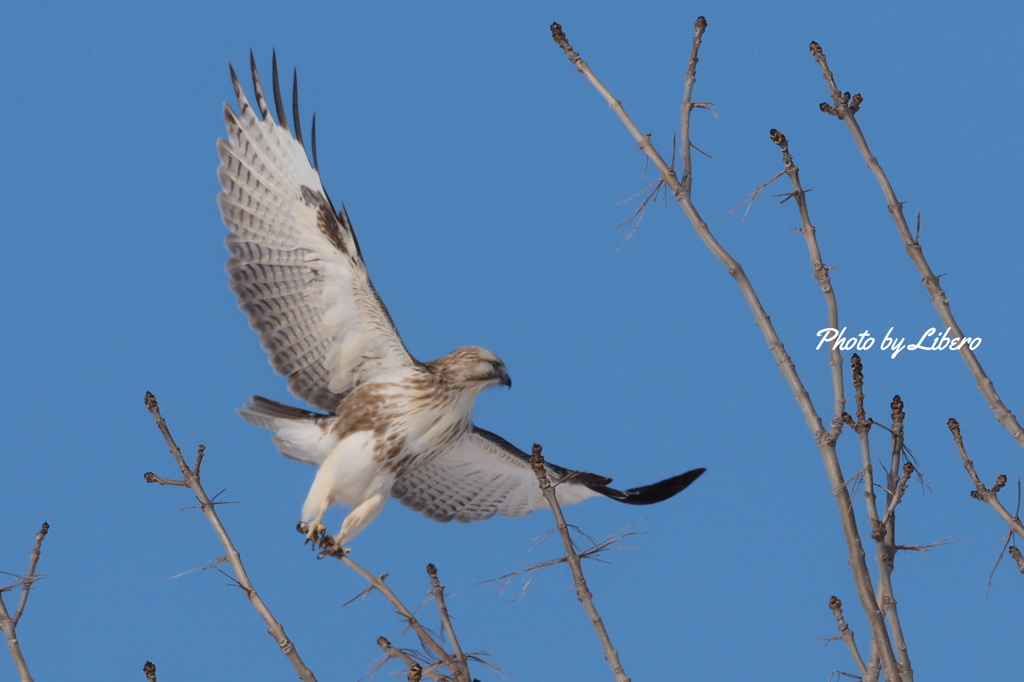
{"x": 486, "y": 475}
{"x": 295, "y": 263}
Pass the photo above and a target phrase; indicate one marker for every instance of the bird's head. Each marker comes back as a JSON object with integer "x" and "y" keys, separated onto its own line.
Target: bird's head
{"x": 471, "y": 367}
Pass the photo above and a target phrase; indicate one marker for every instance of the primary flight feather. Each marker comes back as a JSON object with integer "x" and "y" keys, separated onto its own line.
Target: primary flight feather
{"x": 395, "y": 426}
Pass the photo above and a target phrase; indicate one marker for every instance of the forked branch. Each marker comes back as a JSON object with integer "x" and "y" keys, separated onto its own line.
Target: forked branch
{"x": 455, "y": 665}
{"x": 393, "y": 652}
{"x": 845, "y": 107}
{"x": 824, "y": 439}
{"x": 981, "y": 491}
{"x": 882, "y": 532}
{"x": 191, "y": 479}
{"x": 415, "y": 671}
{"x": 9, "y": 623}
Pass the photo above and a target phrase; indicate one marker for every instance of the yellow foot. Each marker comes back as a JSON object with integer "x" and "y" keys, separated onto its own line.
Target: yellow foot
{"x": 314, "y": 532}
{"x": 317, "y": 535}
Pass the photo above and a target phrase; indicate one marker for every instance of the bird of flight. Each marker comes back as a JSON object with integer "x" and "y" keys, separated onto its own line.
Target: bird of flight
{"x": 394, "y": 426}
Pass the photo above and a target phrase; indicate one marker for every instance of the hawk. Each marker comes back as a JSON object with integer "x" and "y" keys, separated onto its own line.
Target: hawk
{"x": 393, "y": 426}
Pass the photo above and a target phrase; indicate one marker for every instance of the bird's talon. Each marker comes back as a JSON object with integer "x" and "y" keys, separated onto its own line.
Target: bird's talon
{"x": 330, "y": 548}
{"x": 315, "y": 533}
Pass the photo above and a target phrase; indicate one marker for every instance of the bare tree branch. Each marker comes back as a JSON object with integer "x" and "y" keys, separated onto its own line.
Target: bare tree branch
{"x": 641, "y": 211}
{"x": 895, "y": 498}
{"x": 823, "y": 438}
{"x": 845, "y": 108}
{"x": 330, "y": 548}
{"x": 882, "y": 535}
{"x": 31, "y": 577}
{"x": 821, "y": 275}
{"x": 896, "y": 488}
{"x": 883, "y": 530}
{"x": 592, "y": 552}
{"x": 415, "y": 671}
{"x": 688, "y": 105}
{"x": 8, "y": 623}
{"x": 437, "y": 589}
{"x": 190, "y": 479}
{"x": 836, "y": 606}
{"x": 981, "y": 492}
{"x": 755, "y": 193}
{"x": 582, "y": 590}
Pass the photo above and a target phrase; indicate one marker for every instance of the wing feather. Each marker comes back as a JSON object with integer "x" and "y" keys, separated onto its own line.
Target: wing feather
{"x": 484, "y": 475}
{"x": 295, "y": 263}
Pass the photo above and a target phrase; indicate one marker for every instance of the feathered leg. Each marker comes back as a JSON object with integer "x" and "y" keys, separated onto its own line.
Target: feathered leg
{"x": 361, "y": 516}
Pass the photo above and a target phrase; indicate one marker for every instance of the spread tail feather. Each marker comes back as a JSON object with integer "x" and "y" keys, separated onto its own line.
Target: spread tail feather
{"x": 299, "y": 434}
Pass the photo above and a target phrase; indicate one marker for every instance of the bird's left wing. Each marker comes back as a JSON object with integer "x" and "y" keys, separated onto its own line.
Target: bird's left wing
{"x": 295, "y": 263}
{"x": 484, "y": 475}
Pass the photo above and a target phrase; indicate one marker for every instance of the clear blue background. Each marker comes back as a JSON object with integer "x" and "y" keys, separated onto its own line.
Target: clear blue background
{"x": 484, "y": 177}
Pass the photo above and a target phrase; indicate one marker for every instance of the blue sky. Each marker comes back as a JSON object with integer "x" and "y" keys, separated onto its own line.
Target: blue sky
{"x": 484, "y": 178}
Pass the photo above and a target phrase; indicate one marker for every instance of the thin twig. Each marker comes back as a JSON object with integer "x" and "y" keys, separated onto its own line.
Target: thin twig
{"x": 839, "y": 673}
{"x": 836, "y": 605}
{"x": 845, "y": 107}
{"x": 981, "y": 492}
{"x": 753, "y": 195}
{"x": 929, "y": 547}
{"x": 880, "y": 644}
{"x": 895, "y": 489}
{"x": 8, "y": 623}
{"x": 531, "y": 571}
{"x": 884, "y": 534}
{"x": 31, "y": 577}
{"x": 437, "y": 589}
{"x": 415, "y": 670}
{"x": 190, "y": 478}
{"x": 686, "y": 109}
{"x": 822, "y": 437}
{"x": 329, "y": 548}
{"x": 579, "y": 581}
{"x": 641, "y": 211}
{"x": 820, "y": 272}
{"x": 894, "y": 499}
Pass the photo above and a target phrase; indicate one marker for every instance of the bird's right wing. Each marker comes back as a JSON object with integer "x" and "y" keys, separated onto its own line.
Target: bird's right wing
{"x": 484, "y": 475}
{"x": 295, "y": 263}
